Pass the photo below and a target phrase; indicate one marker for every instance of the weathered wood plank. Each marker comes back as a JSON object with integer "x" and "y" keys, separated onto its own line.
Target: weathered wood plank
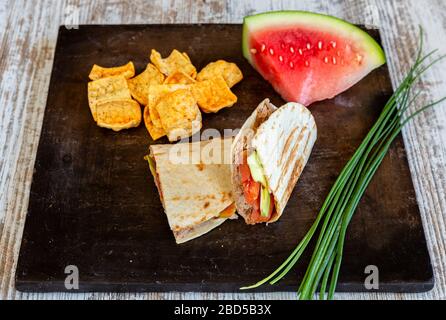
{"x": 29, "y": 30}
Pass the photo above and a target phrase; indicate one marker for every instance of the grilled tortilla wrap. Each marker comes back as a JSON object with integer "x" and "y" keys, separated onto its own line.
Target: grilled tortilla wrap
{"x": 193, "y": 180}
{"x": 282, "y": 140}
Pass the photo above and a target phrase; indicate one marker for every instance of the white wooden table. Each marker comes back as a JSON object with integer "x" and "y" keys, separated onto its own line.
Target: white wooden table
{"x": 28, "y": 31}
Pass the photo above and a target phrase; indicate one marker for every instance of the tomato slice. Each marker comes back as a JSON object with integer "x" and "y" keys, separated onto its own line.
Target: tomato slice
{"x": 256, "y": 205}
{"x": 245, "y": 172}
{"x": 263, "y": 219}
{"x": 251, "y": 191}
{"x": 255, "y": 214}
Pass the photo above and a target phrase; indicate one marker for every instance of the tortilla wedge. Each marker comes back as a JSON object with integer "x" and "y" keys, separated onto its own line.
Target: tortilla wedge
{"x": 195, "y": 188}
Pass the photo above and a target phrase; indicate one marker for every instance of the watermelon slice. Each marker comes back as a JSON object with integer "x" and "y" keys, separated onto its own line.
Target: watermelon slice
{"x": 308, "y": 57}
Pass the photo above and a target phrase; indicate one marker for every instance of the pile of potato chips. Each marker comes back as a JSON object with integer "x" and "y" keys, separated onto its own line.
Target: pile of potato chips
{"x": 170, "y": 90}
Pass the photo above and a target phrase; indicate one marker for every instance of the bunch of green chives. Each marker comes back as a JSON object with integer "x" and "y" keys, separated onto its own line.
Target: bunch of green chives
{"x": 344, "y": 197}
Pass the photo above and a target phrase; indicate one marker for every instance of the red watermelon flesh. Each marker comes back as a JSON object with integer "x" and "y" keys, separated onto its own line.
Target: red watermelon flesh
{"x": 309, "y": 57}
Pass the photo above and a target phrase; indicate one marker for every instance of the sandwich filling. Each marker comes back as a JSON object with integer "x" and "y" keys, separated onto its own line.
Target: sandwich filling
{"x": 255, "y": 188}
{"x": 268, "y": 156}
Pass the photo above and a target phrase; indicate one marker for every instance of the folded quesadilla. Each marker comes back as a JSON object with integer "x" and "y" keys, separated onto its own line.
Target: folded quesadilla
{"x": 268, "y": 156}
{"x": 194, "y": 184}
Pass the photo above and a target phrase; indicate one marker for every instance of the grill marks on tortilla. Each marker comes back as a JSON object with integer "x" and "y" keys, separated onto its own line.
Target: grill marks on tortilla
{"x": 284, "y": 144}
{"x": 288, "y": 142}
{"x": 290, "y": 157}
{"x": 297, "y": 170}
{"x": 300, "y": 164}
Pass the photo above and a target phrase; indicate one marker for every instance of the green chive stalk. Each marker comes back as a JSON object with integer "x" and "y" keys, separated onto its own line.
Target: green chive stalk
{"x": 344, "y": 197}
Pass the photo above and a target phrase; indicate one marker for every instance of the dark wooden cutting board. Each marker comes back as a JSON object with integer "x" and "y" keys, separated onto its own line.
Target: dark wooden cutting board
{"x": 94, "y": 205}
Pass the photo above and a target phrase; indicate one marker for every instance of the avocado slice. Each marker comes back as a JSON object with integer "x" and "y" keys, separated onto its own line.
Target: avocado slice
{"x": 256, "y": 169}
{"x": 152, "y": 165}
{"x": 265, "y": 202}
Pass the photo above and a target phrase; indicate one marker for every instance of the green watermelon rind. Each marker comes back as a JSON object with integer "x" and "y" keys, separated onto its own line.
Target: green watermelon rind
{"x": 319, "y": 21}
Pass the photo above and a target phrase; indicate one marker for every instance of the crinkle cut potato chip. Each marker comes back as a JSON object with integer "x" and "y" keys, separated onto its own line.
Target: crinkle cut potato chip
{"x": 179, "y": 114}
{"x": 154, "y": 132}
{"x": 109, "y": 88}
{"x": 176, "y": 61}
{"x": 213, "y": 95}
{"x": 228, "y": 70}
{"x": 139, "y": 85}
{"x": 98, "y": 72}
{"x": 179, "y": 77}
{"x": 118, "y": 114}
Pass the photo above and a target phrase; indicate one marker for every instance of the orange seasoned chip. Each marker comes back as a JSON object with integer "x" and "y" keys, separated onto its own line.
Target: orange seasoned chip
{"x": 154, "y": 132}
{"x": 110, "y": 88}
{"x": 179, "y": 77}
{"x": 179, "y": 114}
{"x": 156, "y": 93}
{"x": 213, "y": 95}
{"x": 118, "y": 114}
{"x": 186, "y": 56}
{"x": 98, "y": 72}
{"x": 228, "y": 70}
{"x": 176, "y": 61}
{"x": 139, "y": 85}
